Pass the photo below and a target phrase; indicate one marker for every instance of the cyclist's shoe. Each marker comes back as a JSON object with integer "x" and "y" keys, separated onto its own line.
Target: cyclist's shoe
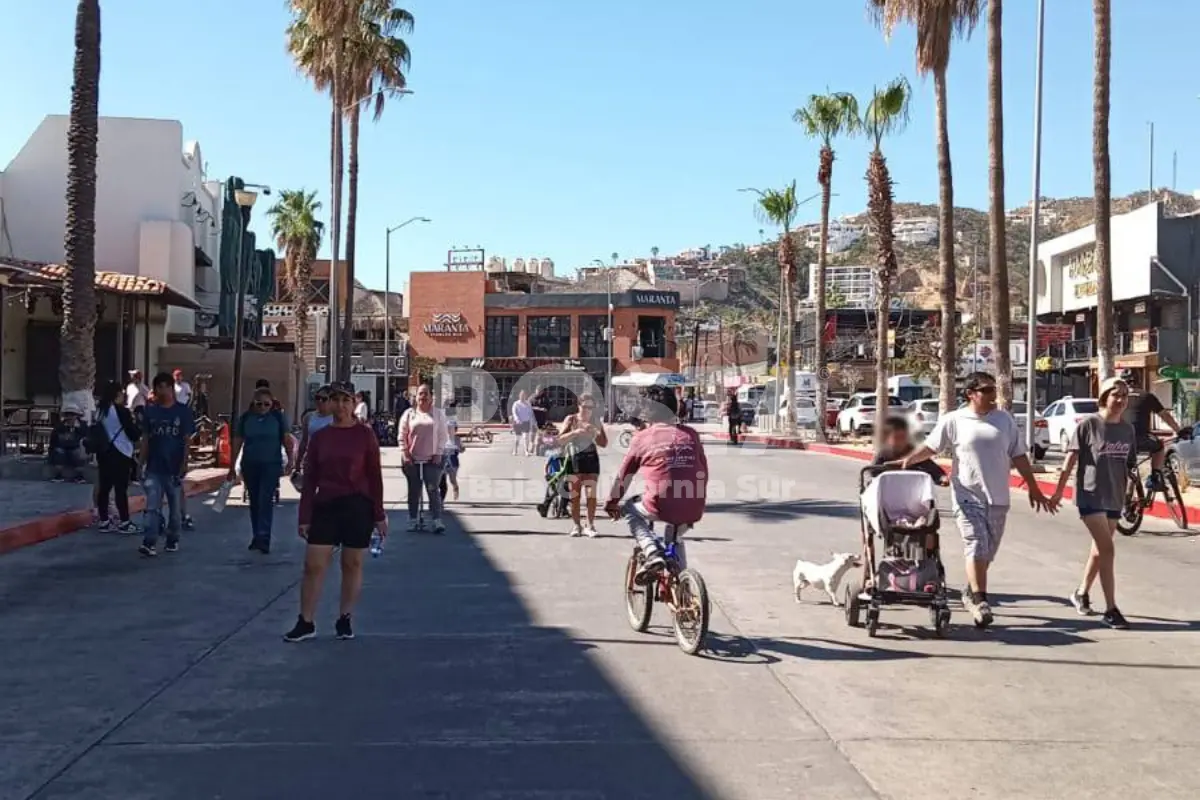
{"x": 1154, "y": 482}
{"x": 1082, "y": 603}
{"x": 1113, "y": 618}
{"x": 648, "y": 569}
{"x": 544, "y": 508}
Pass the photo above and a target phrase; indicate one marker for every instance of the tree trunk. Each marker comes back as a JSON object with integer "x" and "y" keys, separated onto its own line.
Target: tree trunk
{"x": 825, "y": 179}
{"x": 77, "y": 362}
{"x": 351, "y": 225}
{"x": 1103, "y": 182}
{"x": 786, "y": 380}
{"x": 300, "y": 299}
{"x": 879, "y": 210}
{"x": 949, "y": 287}
{"x": 997, "y": 246}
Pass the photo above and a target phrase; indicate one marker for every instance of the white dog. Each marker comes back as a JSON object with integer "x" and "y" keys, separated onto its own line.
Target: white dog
{"x": 826, "y": 576}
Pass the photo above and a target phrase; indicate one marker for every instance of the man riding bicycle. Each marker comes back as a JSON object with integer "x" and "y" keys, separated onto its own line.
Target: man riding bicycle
{"x": 1143, "y": 408}
{"x": 670, "y": 459}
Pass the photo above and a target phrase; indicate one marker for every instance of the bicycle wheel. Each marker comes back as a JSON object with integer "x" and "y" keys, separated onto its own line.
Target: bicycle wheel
{"x": 1134, "y": 511}
{"x": 1175, "y": 501}
{"x": 639, "y": 600}
{"x": 691, "y": 611}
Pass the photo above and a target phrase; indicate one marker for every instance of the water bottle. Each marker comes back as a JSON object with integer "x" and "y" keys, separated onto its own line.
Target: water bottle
{"x": 376, "y": 547}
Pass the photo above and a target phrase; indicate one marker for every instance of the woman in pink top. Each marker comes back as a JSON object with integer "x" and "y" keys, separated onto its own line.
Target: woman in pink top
{"x": 422, "y": 435}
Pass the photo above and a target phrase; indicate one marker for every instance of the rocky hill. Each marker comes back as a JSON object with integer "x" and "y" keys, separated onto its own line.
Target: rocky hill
{"x": 918, "y": 278}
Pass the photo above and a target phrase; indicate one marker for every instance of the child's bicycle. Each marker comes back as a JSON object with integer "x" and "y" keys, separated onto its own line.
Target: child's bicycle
{"x": 681, "y": 589}
{"x": 1137, "y": 499}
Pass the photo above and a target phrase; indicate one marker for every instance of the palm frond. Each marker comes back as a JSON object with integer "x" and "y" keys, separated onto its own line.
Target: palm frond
{"x": 827, "y": 116}
{"x": 887, "y": 113}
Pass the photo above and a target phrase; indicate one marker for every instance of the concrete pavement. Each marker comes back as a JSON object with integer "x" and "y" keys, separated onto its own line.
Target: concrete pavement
{"x": 496, "y": 663}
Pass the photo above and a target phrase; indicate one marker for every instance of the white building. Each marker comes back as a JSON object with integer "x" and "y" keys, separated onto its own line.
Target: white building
{"x": 854, "y": 283}
{"x": 916, "y": 230}
{"x": 842, "y": 235}
{"x": 158, "y": 218}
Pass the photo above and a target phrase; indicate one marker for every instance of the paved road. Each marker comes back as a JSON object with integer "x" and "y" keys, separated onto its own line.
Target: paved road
{"x": 496, "y": 663}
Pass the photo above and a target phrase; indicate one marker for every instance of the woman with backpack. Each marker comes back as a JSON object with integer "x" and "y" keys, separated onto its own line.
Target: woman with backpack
{"x": 111, "y": 438}
{"x": 265, "y": 441}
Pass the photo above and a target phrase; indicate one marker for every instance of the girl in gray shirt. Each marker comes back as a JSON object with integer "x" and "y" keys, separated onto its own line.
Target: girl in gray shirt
{"x": 1102, "y": 451}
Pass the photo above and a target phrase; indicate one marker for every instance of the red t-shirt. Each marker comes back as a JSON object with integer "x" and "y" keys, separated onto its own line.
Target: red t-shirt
{"x": 671, "y": 461}
{"x": 341, "y": 462}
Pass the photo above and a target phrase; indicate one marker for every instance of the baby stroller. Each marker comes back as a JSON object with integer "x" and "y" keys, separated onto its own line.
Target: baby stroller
{"x": 555, "y": 505}
{"x": 901, "y": 549}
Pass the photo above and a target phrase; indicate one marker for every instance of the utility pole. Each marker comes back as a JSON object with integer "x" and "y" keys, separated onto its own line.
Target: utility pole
{"x": 1031, "y": 334}
{"x": 1151, "y": 199}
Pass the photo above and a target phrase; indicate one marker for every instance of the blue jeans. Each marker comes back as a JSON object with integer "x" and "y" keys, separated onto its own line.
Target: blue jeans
{"x": 262, "y": 481}
{"x": 424, "y": 477}
{"x": 158, "y": 487}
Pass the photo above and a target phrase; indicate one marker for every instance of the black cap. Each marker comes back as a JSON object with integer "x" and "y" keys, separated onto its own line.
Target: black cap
{"x": 342, "y": 387}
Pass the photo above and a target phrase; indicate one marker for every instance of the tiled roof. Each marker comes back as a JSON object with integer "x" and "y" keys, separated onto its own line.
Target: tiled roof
{"x": 115, "y": 282}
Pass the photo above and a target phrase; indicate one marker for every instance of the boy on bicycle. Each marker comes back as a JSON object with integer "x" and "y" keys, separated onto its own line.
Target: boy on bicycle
{"x": 1141, "y": 412}
{"x": 670, "y": 459}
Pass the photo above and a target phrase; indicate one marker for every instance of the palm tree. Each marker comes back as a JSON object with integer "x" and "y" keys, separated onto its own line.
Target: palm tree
{"x": 297, "y": 233}
{"x": 826, "y": 117}
{"x": 778, "y": 207}
{"x": 317, "y": 39}
{"x": 741, "y": 327}
{"x": 614, "y": 258}
{"x": 886, "y": 114}
{"x": 376, "y": 60}
{"x": 997, "y": 247}
{"x": 937, "y": 22}
{"x": 654, "y": 252}
{"x": 77, "y": 361}
{"x": 1101, "y": 168}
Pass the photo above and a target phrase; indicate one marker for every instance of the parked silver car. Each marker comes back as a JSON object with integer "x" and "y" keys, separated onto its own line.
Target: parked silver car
{"x": 922, "y": 416}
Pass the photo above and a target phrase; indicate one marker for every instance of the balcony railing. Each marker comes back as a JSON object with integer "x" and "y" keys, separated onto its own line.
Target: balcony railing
{"x": 1170, "y": 344}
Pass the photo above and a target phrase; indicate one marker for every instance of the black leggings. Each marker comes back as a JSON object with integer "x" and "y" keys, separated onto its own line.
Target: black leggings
{"x": 735, "y": 425}
{"x": 114, "y": 469}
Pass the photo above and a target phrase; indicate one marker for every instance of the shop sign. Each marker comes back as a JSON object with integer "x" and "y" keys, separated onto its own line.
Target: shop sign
{"x": 659, "y": 299}
{"x": 272, "y": 329}
{"x": 447, "y": 325}
{"x": 1080, "y": 267}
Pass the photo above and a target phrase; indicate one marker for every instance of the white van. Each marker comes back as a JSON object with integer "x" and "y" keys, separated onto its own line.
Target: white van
{"x": 909, "y": 389}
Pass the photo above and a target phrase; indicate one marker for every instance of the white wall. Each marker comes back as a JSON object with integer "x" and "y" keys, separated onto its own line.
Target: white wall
{"x": 1134, "y": 244}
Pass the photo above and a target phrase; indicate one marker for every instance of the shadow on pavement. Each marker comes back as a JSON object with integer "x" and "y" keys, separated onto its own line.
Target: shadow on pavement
{"x": 449, "y": 691}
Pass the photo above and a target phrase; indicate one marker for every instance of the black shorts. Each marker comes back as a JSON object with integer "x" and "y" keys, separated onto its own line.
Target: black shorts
{"x": 585, "y": 463}
{"x": 347, "y": 521}
{"x": 1149, "y": 444}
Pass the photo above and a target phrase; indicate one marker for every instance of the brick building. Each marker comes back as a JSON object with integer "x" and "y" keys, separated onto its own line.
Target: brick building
{"x": 485, "y": 321}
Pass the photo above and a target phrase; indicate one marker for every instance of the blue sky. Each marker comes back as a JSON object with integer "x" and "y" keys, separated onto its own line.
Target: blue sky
{"x": 574, "y": 130}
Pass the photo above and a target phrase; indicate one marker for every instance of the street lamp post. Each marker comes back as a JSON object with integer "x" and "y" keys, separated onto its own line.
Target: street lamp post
{"x": 387, "y": 311}
{"x": 608, "y": 409}
{"x": 1031, "y": 332}
{"x": 245, "y": 201}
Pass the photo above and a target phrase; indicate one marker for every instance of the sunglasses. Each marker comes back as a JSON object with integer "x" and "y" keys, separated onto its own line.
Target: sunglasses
{"x": 321, "y": 398}
{"x": 588, "y": 405}
{"x": 984, "y": 389}
{"x": 262, "y": 403}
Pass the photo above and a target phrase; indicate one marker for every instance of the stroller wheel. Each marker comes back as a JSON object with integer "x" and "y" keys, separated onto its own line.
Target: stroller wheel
{"x": 851, "y": 603}
{"x": 872, "y": 621}
{"x": 940, "y": 617}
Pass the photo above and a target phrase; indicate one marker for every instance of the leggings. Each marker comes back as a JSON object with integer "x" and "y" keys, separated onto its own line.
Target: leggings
{"x": 424, "y": 478}
{"x": 735, "y": 425}
{"x": 114, "y": 471}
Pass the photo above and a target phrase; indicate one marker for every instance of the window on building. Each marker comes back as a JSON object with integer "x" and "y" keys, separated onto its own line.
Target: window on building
{"x": 652, "y": 336}
{"x": 548, "y": 337}
{"x": 591, "y": 337}
{"x": 500, "y": 337}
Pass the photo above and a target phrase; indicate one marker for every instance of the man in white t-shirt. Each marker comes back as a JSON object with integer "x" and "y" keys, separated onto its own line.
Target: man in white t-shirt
{"x": 136, "y": 391}
{"x": 523, "y": 428}
{"x": 985, "y": 444}
{"x": 183, "y": 389}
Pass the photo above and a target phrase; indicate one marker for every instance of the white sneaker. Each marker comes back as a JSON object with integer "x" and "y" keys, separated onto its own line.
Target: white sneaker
{"x": 590, "y": 531}
{"x": 414, "y": 525}
{"x": 576, "y": 531}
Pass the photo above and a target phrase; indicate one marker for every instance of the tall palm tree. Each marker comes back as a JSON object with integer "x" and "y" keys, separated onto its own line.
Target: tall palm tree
{"x": 297, "y": 233}
{"x": 937, "y": 22}
{"x": 886, "y": 115}
{"x": 779, "y": 207}
{"x": 614, "y": 258}
{"x": 317, "y": 39}
{"x": 741, "y": 328}
{"x": 825, "y": 117}
{"x": 997, "y": 247}
{"x": 77, "y": 359}
{"x": 376, "y": 61}
{"x": 1101, "y": 168}
{"x": 654, "y": 252}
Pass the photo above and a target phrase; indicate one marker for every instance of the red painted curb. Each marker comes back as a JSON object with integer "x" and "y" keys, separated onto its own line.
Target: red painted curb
{"x": 24, "y": 534}
{"x": 1158, "y": 509}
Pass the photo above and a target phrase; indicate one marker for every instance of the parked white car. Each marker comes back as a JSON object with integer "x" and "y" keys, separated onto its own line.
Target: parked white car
{"x": 858, "y": 417}
{"x": 1041, "y": 431}
{"x": 922, "y": 416}
{"x": 1062, "y": 417}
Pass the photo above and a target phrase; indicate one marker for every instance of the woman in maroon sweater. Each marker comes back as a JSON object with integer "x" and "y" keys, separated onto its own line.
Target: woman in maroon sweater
{"x": 341, "y": 504}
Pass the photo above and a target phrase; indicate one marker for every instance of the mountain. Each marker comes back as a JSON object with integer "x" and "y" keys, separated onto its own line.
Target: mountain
{"x": 918, "y": 278}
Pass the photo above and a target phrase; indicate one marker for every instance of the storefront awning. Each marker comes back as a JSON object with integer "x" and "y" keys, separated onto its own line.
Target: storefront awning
{"x": 50, "y": 276}
{"x": 644, "y": 379}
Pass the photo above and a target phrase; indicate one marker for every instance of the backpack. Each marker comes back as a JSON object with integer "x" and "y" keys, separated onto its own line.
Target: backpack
{"x": 97, "y": 439}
